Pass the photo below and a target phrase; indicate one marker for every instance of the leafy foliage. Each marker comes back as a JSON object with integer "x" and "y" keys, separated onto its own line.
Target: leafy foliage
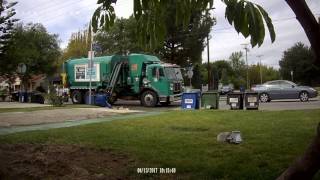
{"x": 6, "y": 22}
{"x": 182, "y": 43}
{"x": 120, "y": 39}
{"x": 300, "y": 59}
{"x": 32, "y": 45}
{"x": 247, "y": 18}
{"x": 78, "y": 46}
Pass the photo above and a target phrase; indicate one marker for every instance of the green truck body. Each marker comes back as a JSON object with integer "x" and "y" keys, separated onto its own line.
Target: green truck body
{"x": 136, "y": 76}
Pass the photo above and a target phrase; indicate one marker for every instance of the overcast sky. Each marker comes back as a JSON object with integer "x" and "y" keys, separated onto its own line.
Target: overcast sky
{"x": 64, "y": 17}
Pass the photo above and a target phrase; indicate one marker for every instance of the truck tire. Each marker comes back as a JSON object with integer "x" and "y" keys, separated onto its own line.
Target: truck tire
{"x": 149, "y": 99}
{"x": 76, "y": 97}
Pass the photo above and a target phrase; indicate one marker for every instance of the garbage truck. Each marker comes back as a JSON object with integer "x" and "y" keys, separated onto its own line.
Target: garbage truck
{"x": 132, "y": 77}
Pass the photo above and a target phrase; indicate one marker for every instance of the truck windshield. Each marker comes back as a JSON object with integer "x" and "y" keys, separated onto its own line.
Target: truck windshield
{"x": 173, "y": 73}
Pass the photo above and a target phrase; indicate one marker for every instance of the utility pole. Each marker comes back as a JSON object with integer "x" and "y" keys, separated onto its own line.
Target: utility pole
{"x": 259, "y": 56}
{"x": 247, "y": 49}
{"x": 208, "y": 68}
{"x": 90, "y": 64}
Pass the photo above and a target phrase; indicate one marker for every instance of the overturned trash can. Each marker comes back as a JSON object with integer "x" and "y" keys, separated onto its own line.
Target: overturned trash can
{"x": 251, "y": 100}
{"x": 210, "y": 100}
{"x": 235, "y": 100}
{"x": 101, "y": 99}
{"x": 190, "y": 100}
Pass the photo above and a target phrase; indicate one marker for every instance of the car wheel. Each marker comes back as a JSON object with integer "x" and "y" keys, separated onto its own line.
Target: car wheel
{"x": 304, "y": 96}
{"x": 76, "y": 97}
{"x": 149, "y": 99}
{"x": 264, "y": 97}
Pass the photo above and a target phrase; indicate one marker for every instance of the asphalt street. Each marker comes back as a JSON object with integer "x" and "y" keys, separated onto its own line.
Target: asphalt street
{"x": 286, "y": 104}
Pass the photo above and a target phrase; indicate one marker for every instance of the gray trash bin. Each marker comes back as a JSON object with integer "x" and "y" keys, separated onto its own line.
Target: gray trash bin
{"x": 235, "y": 100}
{"x": 251, "y": 100}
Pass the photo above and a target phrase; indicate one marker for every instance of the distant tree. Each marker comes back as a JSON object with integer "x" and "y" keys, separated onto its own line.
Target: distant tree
{"x": 78, "y": 45}
{"x": 268, "y": 74}
{"x": 197, "y": 78}
{"x": 121, "y": 38}
{"x": 237, "y": 62}
{"x": 6, "y": 22}
{"x": 224, "y": 77}
{"x": 34, "y": 46}
{"x": 300, "y": 59}
{"x": 239, "y": 68}
{"x": 182, "y": 43}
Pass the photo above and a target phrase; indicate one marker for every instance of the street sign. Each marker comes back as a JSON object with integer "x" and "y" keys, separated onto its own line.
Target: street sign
{"x": 22, "y": 68}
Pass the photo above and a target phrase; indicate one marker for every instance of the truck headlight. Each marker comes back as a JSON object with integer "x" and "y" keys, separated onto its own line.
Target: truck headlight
{"x": 171, "y": 86}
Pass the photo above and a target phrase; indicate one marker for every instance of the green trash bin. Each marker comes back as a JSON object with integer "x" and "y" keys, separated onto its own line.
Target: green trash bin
{"x": 210, "y": 100}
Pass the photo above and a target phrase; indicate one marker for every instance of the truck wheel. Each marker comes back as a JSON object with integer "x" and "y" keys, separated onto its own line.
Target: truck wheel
{"x": 76, "y": 97}
{"x": 149, "y": 99}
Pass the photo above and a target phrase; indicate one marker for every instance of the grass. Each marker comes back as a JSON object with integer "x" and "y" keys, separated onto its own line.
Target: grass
{"x": 186, "y": 140}
{"x": 28, "y": 109}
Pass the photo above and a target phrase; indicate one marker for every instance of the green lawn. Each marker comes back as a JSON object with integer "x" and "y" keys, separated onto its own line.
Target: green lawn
{"x": 4, "y": 110}
{"x": 186, "y": 140}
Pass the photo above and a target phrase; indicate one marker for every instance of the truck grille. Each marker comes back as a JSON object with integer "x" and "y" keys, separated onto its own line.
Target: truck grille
{"x": 176, "y": 87}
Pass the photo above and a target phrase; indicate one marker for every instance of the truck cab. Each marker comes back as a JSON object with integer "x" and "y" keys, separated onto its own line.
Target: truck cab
{"x": 163, "y": 83}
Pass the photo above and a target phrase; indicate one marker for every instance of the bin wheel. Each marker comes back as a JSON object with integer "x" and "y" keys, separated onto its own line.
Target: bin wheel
{"x": 264, "y": 97}
{"x": 76, "y": 97}
{"x": 149, "y": 99}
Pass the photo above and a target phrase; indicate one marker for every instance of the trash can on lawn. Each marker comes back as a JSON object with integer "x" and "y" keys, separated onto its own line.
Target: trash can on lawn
{"x": 251, "y": 100}
{"x": 210, "y": 100}
{"x": 235, "y": 100}
{"x": 190, "y": 100}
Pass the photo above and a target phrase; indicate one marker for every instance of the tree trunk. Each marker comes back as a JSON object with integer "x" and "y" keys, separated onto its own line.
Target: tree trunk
{"x": 309, "y": 23}
{"x": 306, "y": 166}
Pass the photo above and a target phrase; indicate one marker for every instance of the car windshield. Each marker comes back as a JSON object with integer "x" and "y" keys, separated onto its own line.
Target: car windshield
{"x": 173, "y": 73}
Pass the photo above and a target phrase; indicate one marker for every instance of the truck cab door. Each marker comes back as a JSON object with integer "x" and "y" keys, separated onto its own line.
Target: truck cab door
{"x": 158, "y": 80}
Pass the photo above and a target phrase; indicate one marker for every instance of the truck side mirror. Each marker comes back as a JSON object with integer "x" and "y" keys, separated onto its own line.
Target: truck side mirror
{"x": 157, "y": 74}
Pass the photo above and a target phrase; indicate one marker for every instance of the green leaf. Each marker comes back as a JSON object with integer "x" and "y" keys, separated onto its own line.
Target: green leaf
{"x": 268, "y": 21}
{"x": 260, "y": 28}
{"x": 253, "y": 24}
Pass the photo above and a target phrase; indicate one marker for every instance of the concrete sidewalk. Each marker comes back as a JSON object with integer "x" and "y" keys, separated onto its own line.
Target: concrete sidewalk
{"x": 71, "y": 123}
{"x": 21, "y": 105}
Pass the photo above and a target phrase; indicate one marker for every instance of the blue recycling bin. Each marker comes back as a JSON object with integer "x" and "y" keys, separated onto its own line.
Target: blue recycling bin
{"x": 92, "y": 99}
{"x": 190, "y": 100}
{"x": 102, "y": 100}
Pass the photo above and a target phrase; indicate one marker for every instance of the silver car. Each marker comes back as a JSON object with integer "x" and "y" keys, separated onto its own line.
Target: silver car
{"x": 282, "y": 89}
